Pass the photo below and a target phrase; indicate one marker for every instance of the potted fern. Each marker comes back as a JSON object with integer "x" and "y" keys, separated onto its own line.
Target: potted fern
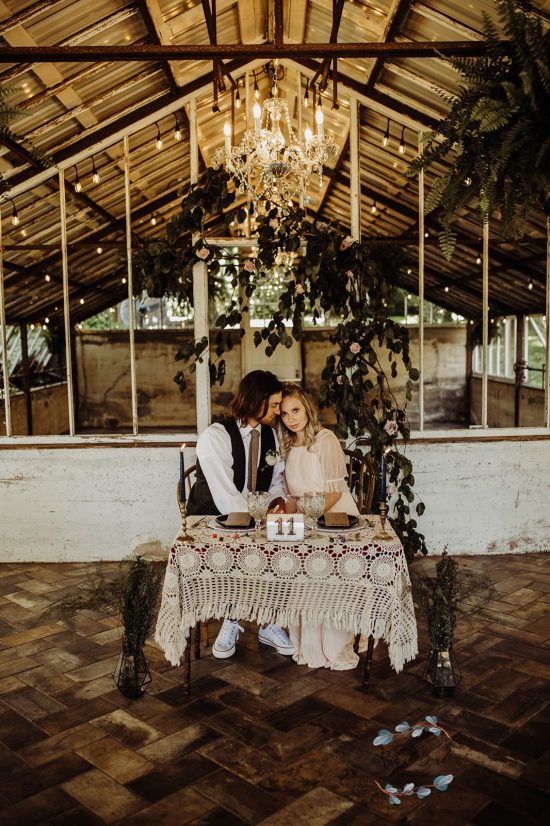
{"x": 498, "y": 128}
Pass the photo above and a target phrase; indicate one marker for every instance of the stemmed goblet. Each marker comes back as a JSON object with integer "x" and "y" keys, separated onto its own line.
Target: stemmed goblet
{"x": 258, "y": 503}
{"x": 314, "y": 506}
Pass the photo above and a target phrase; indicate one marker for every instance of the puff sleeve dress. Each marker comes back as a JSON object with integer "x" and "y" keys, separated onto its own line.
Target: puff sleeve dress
{"x": 321, "y": 467}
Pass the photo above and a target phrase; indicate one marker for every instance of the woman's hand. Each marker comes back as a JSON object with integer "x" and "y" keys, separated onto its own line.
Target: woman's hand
{"x": 278, "y": 505}
{"x": 291, "y": 505}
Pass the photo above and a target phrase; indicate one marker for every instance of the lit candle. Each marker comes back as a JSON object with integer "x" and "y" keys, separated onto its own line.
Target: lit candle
{"x": 257, "y": 114}
{"x": 383, "y": 465}
{"x": 182, "y": 473}
{"x": 227, "y": 134}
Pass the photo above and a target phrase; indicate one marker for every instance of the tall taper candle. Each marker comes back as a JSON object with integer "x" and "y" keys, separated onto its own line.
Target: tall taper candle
{"x": 182, "y": 473}
{"x": 383, "y": 465}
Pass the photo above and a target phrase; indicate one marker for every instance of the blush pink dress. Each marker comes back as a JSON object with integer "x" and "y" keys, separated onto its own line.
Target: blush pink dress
{"x": 321, "y": 467}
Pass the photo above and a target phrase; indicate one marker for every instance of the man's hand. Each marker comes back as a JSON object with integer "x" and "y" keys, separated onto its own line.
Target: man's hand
{"x": 277, "y": 506}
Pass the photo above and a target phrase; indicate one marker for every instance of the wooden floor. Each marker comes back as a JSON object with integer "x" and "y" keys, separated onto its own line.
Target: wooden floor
{"x": 262, "y": 740}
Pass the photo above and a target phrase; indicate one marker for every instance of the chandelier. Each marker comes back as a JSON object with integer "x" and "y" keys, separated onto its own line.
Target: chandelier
{"x": 271, "y": 163}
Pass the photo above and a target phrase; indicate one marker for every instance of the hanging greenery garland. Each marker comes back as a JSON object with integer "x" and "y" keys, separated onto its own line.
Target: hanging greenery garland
{"x": 330, "y": 274}
{"x": 498, "y": 129}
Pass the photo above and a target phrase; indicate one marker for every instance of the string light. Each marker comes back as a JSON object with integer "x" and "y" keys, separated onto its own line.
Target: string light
{"x": 95, "y": 174}
{"x": 82, "y": 301}
{"x": 386, "y": 138}
{"x": 373, "y": 208}
{"x": 47, "y": 277}
{"x": 14, "y": 215}
{"x": 238, "y": 99}
{"x": 478, "y": 259}
{"x": 530, "y": 284}
{"x": 306, "y": 95}
{"x": 123, "y": 280}
{"x": 446, "y": 288}
{"x": 46, "y": 320}
{"x": 402, "y": 142}
{"x": 77, "y": 184}
{"x": 153, "y": 220}
{"x": 99, "y": 250}
{"x": 177, "y": 130}
{"x": 158, "y": 142}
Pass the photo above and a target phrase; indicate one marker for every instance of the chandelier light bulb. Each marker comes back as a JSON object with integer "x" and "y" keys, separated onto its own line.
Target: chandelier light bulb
{"x": 386, "y": 138}
{"x": 95, "y": 174}
{"x": 308, "y": 134}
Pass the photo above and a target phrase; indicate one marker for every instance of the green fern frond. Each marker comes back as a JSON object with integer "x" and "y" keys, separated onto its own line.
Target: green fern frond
{"x": 447, "y": 242}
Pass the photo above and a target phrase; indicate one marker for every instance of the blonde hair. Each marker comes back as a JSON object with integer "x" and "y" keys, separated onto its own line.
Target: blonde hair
{"x": 313, "y": 426}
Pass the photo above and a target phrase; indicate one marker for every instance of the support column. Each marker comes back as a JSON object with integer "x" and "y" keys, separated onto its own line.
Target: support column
{"x": 26, "y": 375}
{"x": 355, "y": 190}
{"x": 131, "y": 305}
{"x": 547, "y": 360}
{"x": 519, "y": 368}
{"x": 5, "y": 366}
{"x": 484, "y": 382}
{"x": 421, "y": 230}
{"x": 66, "y": 305}
{"x": 200, "y": 296}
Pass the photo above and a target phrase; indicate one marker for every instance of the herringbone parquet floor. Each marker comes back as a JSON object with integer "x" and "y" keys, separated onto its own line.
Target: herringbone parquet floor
{"x": 261, "y": 740}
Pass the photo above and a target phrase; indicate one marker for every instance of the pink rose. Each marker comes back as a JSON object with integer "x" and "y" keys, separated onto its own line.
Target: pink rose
{"x": 249, "y": 265}
{"x": 390, "y": 427}
{"x": 298, "y": 289}
{"x": 203, "y": 253}
{"x": 355, "y": 348}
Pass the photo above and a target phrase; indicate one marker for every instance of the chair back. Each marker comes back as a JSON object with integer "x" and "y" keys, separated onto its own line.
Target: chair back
{"x": 361, "y": 479}
{"x": 189, "y": 478}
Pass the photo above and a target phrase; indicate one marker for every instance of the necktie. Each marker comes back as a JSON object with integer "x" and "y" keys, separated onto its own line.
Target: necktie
{"x": 253, "y": 459}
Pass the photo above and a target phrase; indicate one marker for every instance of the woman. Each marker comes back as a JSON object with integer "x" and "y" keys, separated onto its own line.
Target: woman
{"x": 314, "y": 460}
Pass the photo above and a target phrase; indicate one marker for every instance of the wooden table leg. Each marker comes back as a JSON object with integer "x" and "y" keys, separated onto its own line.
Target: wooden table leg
{"x": 198, "y": 641}
{"x": 187, "y": 665}
{"x": 368, "y": 663}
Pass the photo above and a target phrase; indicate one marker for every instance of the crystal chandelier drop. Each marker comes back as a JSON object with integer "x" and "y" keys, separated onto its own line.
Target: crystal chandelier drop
{"x": 271, "y": 163}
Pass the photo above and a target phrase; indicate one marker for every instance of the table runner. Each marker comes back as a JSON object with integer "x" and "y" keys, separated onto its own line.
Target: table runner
{"x": 347, "y": 580}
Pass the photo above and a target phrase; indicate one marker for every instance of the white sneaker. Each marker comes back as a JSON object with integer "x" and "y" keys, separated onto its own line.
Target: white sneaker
{"x": 226, "y": 641}
{"x": 277, "y": 638}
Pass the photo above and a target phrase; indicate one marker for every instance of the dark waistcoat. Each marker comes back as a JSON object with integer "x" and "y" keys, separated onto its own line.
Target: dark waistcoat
{"x": 200, "y": 499}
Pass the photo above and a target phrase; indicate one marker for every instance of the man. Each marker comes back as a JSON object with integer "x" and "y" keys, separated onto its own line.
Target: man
{"x": 231, "y": 461}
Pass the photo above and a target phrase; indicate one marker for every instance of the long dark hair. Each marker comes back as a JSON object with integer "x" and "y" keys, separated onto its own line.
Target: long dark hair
{"x": 252, "y": 397}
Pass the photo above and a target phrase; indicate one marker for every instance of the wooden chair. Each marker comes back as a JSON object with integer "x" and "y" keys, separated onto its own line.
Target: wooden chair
{"x": 361, "y": 479}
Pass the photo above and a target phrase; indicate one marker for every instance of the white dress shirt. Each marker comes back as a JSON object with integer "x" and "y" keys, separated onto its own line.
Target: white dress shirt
{"x": 216, "y": 461}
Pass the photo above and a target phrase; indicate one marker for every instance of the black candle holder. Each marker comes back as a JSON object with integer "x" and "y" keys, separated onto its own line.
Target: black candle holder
{"x": 183, "y": 536}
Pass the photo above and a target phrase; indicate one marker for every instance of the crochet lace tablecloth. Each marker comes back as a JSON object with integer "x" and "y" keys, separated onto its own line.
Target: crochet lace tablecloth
{"x": 346, "y": 580}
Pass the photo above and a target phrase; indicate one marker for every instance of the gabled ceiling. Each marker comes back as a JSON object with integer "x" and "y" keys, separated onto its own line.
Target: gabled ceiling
{"x": 85, "y": 93}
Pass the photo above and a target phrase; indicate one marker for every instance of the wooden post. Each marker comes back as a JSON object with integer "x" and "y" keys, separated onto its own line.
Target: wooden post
{"x": 484, "y": 377}
{"x": 5, "y": 365}
{"x": 520, "y": 335}
{"x": 66, "y": 303}
{"x": 421, "y": 239}
{"x": 131, "y": 305}
{"x": 26, "y": 375}
{"x": 355, "y": 174}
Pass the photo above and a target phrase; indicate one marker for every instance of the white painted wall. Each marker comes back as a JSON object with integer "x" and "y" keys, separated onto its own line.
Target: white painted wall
{"x": 85, "y": 500}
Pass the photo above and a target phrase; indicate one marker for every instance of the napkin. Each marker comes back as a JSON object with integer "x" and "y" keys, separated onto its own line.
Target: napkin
{"x": 238, "y": 520}
{"x": 335, "y": 519}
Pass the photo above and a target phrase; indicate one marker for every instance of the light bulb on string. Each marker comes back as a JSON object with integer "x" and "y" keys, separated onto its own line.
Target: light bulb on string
{"x": 530, "y": 284}
{"x": 306, "y": 94}
{"x": 478, "y": 259}
{"x": 386, "y": 138}
{"x": 238, "y": 99}
{"x": 153, "y": 220}
{"x": 177, "y": 130}
{"x": 158, "y": 142}
{"x": 95, "y": 174}
{"x": 402, "y": 142}
{"x": 77, "y": 184}
{"x": 373, "y": 208}
{"x": 14, "y": 215}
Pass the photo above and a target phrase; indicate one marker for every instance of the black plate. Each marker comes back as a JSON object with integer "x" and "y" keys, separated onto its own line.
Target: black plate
{"x": 353, "y": 521}
{"x": 221, "y": 520}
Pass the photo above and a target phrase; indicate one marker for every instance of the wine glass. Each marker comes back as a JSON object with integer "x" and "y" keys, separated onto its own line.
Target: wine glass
{"x": 314, "y": 506}
{"x": 258, "y": 503}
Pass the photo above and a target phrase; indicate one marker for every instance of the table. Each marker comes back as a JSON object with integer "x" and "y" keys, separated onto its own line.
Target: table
{"x": 349, "y": 580}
